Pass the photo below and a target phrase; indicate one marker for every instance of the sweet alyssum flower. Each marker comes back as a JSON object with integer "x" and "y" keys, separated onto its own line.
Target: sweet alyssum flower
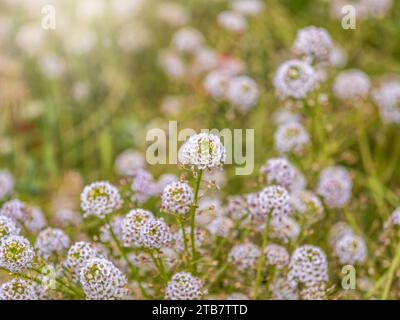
{"x": 387, "y": 97}
{"x": 143, "y": 186}
{"x": 248, "y": 7}
{"x": 308, "y": 265}
{"x": 8, "y": 227}
{"x": 131, "y": 226}
{"x": 177, "y": 198}
{"x": 18, "y": 289}
{"x": 294, "y": 79}
{"x": 216, "y": 84}
{"x": 35, "y": 220}
{"x": 232, "y": 21}
{"x": 279, "y": 171}
{"x": 275, "y": 202}
{"x": 128, "y": 162}
{"x": 291, "y": 137}
{"x": 244, "y": 256}
{"x": 351, "y": 85}
{"x": 276, "y": 255}
{"x": 307, "y": 206}
{"x": 284, "y": 228}
{"x": 15, "y": 209}
{"x": 101, "y": 280}
{"x": 314, "y": 43}
{"x": 335, "y": 186}
{"x": 100, "y": 199}
{"x": 202, "y": 151}
{"x": 155, "y": 234}
{"x": 6, "y": 183}
{"x": 220, "y": 226}
{"x": 51, "y": 241}
{"x": 16, "y": 253}
{"x": 187, "y": 40}
{"x": 242, "y": 93}
{"x": 78, "y": 255}
{"x": 184, "y": 286}
{"x": 338, "y": 231}
{"x": 351, "y": 249}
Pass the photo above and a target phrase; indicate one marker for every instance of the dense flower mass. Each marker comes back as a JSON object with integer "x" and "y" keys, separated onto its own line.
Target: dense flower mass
{"x": 155, "y": 234}
{"x": 51, "y": 241}
{"x": 314, "y": 43}
{"x": 187, "y": 150}
{"x": 294, "y": 79}
{"x": 101, "y": 280}
{"x": 16, "y": 253}
{"x": 131, "y": 226}
{"x": 18, "y": 289}
{"x": 335, "y": 186}
{"x": 184, "y": 286}
{"x": 202, "y": 151}
{"x": 177, "y": 198}
{"x": 308, "y": 265}
{"x": 100, "y": 199}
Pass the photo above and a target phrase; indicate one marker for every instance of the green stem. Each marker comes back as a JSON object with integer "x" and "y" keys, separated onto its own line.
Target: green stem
{"x": 392, "y": 270}
{"x": 192, "y": 222}
{"x": 159, "y": 265}
{"x": 185, "y": 240}
{"x": 261, "y": 259}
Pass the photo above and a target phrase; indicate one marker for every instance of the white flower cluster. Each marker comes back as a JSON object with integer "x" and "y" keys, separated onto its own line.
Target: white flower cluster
{"x": 308, "y": 266}
{"x": 308, "y": 206}
{"x": 242, "y": 93}
{"x": 351, "y": 85}
{"x": 348, "y": 247}
{"x": 8, "y": 227}
{"x": 101, "y": 280}
{"x": 295, "y": 79}
{"x": 232, "y": 21}
{"x": 16, "y": 253}
{"x": 177, "y": 198}
{"x": 143, "y": 186}
{"x": 335, "y": 186}
{"x": 18, "y": 289}
{"x": 15, "y": 209}
{"x": 220, "y": 226}
{"x": 248, "y": 7}
{"x": 131, "y": 226}
{"x": 51, "y": 241}
{"x": 187, "y": 40}
{"x": 202, "y": 151}
{"x": 6, "y": 183}
{"x": 128, "y": 162}
{"x": 78, "y": 255}
{"x": 155, "y": 234}
{"x": 291, "y": 137}
{"x": 100, "y": 199}
{"x": 284, "y": 228}
{"x": 387, "y": 97}
{"x": 276, "y": 255}
{"x": 279, "y": 171}
{"x": 275, "y": 202}
{"x": 244, "y": 256}
{"x": 184, "y": 286}
{"x": 314, "y": 43}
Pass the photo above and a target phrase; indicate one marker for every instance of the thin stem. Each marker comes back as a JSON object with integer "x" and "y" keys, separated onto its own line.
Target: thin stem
{"x": 192, "y": 222}
{"x": 392, "y": 270}
{"x": 159, "y": 265}
{"x": 185, "y": 240}
{"x": 261, "y": 259}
